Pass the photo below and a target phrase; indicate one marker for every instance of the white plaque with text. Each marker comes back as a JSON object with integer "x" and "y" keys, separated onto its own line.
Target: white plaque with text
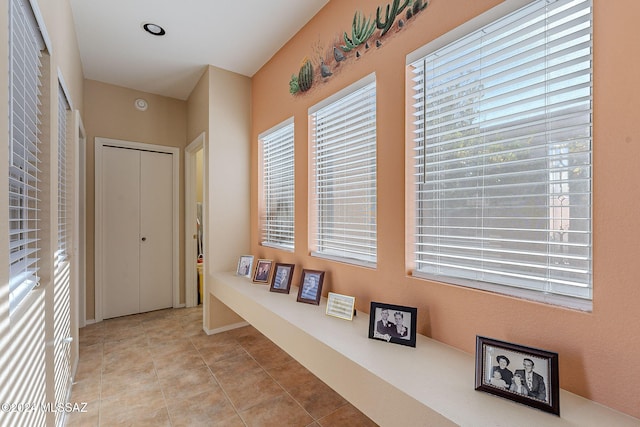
{"x": 340, "y": 306}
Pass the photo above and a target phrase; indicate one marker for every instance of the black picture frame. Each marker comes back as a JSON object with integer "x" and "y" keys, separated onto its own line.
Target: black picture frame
{"x": 281, "y": 279}
{"x": 405, "y": 335}
{"x": 494, "y": 359}
{"x": 310, "y": 289}
{"x": 262, "y": 272}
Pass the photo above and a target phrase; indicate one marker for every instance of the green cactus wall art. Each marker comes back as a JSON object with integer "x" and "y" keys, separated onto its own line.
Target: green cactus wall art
{"x": 361, "y": 30}
{"x": 351, "y": 47}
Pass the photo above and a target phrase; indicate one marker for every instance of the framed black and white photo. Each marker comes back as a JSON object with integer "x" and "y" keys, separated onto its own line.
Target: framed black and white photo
{"x": 524, "y": 374}
{"x": 262, "y": 271}
{"x": 244, "y": 266}
{"x": 281, "y": 281}
{"x": 310, "y": 289}
{"x": 393, "y": 323}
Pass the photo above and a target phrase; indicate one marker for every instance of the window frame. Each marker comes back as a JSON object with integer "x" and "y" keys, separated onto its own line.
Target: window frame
{"x": 316, "y": 207}
{"x": 487, "y": 18}
{"x": 23, "y": 282}
{"x": 271, "y": 185}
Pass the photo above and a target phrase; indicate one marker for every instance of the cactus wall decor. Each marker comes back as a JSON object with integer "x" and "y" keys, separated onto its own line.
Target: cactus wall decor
{"x": 361, "y": 30}
{"x": 353, "y": 46}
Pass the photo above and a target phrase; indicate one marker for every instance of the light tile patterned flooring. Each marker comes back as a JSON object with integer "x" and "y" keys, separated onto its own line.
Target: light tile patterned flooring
{"x": 161, "y": 369}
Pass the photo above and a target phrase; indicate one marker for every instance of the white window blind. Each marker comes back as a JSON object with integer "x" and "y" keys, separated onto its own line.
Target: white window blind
{"x": 278, "y": 186}
{"x": 62, "y": 275}
{"x": 502, "y": 125}
{"x": 344, "y": 165}
{"x": 63, "y": 238}
{"x": 24, "y": 106}
{"x": 25, "y": 371}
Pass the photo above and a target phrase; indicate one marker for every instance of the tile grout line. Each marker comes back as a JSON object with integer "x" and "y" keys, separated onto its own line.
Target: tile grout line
{"x": 220, "y": 384}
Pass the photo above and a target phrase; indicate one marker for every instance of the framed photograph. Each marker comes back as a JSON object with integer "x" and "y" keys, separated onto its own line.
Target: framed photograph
{"x": 244, "y": 266}
{"x": 310, "y": 289}
{"x": 282, "y": 275}
{"x": 262, "y": 271}
{"x": 523, "y": 374}
{"x": 341, "y": 306}
{"x": 393, "y": 323}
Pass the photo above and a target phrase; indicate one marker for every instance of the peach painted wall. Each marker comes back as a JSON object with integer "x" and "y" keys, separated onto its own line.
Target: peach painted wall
{"x": 598, "y": 351}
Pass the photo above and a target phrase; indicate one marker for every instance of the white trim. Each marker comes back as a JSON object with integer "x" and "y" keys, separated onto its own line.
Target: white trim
{"x": 371, "y": 78}
{"x": 99, "y": 144}
{"x": 468, "y": 27}
{"x": 37, "y": 15}
{"x": 80, "y": 231}
{"x": 279, "y": 126}
{"x": 345, "y": 260}
{"x": 65, "y": 89}
{"x": 190, "y": 255}
{"x": 573, "y": 303}
{"x": 226, "y": 328}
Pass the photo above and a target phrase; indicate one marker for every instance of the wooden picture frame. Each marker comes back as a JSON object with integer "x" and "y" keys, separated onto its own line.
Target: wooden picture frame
{"x": 244, "y": 266}
{"x": 281, "y": 279}
{"x": 523, "y": 374}
{"x": 262, "y": 272}
{"x": 393, "y": 323}
{"x": 310, "y": 289}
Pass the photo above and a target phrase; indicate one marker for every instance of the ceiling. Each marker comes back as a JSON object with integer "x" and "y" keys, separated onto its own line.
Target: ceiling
{"x": 239, "y": 36}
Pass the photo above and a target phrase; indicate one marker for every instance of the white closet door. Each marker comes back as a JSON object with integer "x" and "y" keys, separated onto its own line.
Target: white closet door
{"x": 120, "y": 231}
{"x": 156, "y": 231}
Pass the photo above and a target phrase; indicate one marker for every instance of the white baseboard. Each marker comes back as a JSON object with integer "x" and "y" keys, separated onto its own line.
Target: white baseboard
{"x": 226, "y": 328}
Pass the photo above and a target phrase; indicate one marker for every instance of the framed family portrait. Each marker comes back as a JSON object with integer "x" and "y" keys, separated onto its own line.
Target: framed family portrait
{"x": 244, "y": 266}
{"x": 282, "y": 275}
{"x": 524, "y": 374}
{"x": 393, "y": 323}
{"x": 310, "y": 289}
{"x": 262, "y": 271}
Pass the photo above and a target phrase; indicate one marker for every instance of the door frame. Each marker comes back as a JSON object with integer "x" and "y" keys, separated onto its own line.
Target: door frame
{"x": 190, "y": 255}
{"x": 100, "y": 143}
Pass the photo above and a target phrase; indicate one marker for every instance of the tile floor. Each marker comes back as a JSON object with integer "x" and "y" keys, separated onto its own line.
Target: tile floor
{"x": 161, "y": 369}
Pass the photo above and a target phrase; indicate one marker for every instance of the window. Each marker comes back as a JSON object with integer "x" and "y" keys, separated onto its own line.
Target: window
{"x": 278, "y": 186}
{"x": 26, "y": 46}
{"x": 344, "y": 166}
{"x": 63, "y": 207}
{"x": 62, "y": 273}
{"x": 502, "y": 125}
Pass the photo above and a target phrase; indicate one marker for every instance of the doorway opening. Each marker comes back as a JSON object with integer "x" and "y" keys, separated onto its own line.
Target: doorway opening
{"x": 195, "y": 213}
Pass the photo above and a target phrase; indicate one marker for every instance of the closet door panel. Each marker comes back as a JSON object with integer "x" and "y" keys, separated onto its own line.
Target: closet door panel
{"x": 156, "y": 231}
{"x": 120, "y": 231}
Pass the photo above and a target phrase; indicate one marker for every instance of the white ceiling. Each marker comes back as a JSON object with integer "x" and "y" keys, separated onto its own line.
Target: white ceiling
{"x": 239, "y": 36}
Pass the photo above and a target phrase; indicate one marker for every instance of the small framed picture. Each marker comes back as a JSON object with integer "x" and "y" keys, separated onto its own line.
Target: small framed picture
{"x": 262, "y": 271}
{"x": 244, "y": 266}
{"x": 282, "y": 275}
{"x": 341, "y": 306}
{"x": 310, "y": 289}
{"x": 393, "y": 323}
{"x": 524, "y": 374}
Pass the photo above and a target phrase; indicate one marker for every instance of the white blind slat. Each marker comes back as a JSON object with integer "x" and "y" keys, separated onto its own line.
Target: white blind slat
{"x": 278, "y": 184}
{"x": 24, "y": 154}
{"x": 344, "y": 160}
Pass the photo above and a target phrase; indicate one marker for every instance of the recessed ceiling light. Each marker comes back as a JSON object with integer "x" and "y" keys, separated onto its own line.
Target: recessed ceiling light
{"x": 154, "y": 29}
